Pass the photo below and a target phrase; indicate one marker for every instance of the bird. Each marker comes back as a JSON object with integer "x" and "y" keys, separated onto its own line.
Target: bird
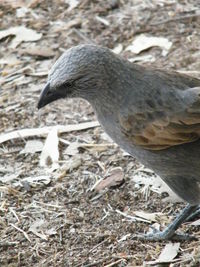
{"x": 153, "y": 114}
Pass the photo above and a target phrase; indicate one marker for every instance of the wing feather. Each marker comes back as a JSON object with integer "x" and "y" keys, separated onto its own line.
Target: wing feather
{"x": 164, "y": 127}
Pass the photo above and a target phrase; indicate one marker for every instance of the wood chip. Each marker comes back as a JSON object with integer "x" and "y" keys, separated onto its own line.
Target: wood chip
{"x": 116, "y": 177}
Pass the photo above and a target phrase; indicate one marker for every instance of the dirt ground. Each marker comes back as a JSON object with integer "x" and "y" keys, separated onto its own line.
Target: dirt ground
{"x": 55, "y": 218}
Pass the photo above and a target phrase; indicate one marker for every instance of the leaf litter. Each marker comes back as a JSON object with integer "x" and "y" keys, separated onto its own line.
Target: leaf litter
{"x": 53, "y": 218}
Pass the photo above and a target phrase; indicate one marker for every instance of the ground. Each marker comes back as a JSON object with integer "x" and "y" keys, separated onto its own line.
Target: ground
{"x": 57, "y": 219}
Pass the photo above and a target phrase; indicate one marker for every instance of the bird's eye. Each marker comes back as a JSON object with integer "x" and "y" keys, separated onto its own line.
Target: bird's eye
{"x": 68, "y": 84}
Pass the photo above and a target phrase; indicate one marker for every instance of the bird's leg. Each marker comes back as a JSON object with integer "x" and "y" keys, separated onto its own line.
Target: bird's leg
{"x": 169, "y": 232}
{"x": 194, "y": 215}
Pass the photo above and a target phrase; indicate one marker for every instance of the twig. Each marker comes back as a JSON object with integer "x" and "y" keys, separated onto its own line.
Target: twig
{"x": 22, "y": 231}
{"x": 82, "y": 36}
{"x": 14, "y": 213}
{"x": 113, "y": 263}
{"x": 49, "y": 205}
{"x": 95, "y": 263}
{"x": 115, "y": 257}
{"x": 98, "y": 245}
{"x": 45, "y": 130}
{"x": 189, "y": 72}
{"x": 175, "y": 19}
{"x": 133, "y": 218}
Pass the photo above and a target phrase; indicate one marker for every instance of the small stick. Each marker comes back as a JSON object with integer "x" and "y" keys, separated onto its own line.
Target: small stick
{"x": 175, "y": 19}
{"x": 22, "y": 231}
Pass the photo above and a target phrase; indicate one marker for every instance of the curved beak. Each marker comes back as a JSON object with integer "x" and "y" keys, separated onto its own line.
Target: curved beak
{"x": 44, "y": 96}
{"x": 49, "y": 95}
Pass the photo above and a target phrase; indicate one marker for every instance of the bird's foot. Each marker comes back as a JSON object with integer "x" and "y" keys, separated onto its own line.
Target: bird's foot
{"x": 163, "y": 236}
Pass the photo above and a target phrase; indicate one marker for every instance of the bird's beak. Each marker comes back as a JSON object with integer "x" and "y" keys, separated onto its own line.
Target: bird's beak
{"x": 44, "y": 99}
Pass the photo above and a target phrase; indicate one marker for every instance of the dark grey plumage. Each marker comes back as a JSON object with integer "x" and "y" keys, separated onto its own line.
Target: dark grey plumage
{"x": 152, "y": 114}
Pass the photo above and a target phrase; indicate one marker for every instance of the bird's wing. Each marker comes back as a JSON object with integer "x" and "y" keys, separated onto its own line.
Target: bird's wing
{"x": 163, "y": 122}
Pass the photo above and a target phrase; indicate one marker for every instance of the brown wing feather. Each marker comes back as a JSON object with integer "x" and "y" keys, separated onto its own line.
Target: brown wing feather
{"x": 165, "y": 131}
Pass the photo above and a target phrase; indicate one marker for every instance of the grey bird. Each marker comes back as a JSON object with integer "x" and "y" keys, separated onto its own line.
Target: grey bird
{"x": 152, "y": 114}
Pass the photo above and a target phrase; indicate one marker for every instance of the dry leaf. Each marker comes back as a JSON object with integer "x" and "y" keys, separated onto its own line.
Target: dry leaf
{"x": 143, "y": 42}
{"x": 167, "y": 255}
{"x": 22, "y": 34}
{"x": 169, "y": 252}
{"x": 32, "y": 146}
{"x": 50, "y": 153}
{"x": 114, "y": 178}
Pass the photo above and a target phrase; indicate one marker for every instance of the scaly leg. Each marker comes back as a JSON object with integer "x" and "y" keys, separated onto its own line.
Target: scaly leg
{"x": 169, "y": 232}
{"x": 194, "y": 215}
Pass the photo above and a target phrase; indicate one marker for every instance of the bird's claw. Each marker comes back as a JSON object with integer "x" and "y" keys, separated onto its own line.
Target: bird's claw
{"x": 162, "y": 236}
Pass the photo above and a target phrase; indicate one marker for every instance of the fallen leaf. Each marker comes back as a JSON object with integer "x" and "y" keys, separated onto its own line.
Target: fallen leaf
{"x": 114, "y": 178}
{"x": 32, "y": 146}
{"x": 143, "y": 42}
{"x": 169, "y": 252}
{"x": 22, "y": 34}
{"x": 50, "y": 153}
{"x": 167, "y": 255}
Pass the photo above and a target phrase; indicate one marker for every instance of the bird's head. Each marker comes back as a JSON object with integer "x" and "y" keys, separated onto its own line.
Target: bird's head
{"x": 77, "y": 73}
